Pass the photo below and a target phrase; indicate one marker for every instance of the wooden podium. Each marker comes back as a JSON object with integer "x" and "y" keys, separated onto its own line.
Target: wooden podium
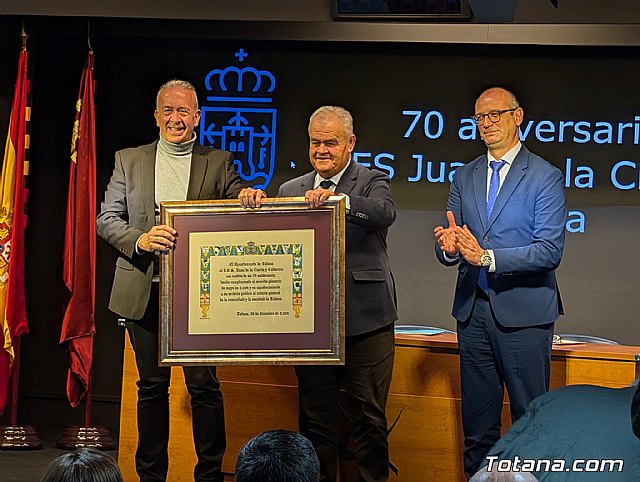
{"x": 425, "y": 445}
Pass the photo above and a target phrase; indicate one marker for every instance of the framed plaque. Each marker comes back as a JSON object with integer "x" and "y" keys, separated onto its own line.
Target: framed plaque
{"x": 253, "y": 286}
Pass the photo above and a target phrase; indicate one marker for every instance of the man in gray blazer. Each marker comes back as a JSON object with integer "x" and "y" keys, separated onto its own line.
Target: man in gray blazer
{"x": 370, "y": 304}
{"x": 173, "y": 168}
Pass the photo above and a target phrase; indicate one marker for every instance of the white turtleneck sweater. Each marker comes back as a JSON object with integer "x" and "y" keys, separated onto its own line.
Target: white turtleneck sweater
{"x": 173, "y": 166}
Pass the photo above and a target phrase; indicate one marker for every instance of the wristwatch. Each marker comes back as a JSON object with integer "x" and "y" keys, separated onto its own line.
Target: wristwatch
{"x": 486, "y": 259}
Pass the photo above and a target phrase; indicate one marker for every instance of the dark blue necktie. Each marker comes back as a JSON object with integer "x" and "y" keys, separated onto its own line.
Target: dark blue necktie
{"x": 326, "y": 184}
{"x": 494, "y": 187}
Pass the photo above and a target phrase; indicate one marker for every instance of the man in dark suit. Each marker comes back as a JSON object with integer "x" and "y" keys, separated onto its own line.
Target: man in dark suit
{"x": 173, "y": 168}
{"x": 507, "y": 214}
{"x": 370, "y": 303}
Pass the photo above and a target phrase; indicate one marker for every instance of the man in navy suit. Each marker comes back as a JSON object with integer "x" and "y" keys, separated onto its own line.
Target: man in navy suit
{"x": 370, "y": 299}
{"x": 506, "y": 213}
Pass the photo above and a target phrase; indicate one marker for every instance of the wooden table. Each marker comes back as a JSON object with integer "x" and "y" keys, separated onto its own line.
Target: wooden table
{"x": 425, "y": 445}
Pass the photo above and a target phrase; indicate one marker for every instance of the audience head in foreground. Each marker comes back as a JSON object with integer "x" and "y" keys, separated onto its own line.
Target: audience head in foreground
{"x": 484, "y": 475}
{"x": 278, "y": 456}
{"x": 83, "y": 465}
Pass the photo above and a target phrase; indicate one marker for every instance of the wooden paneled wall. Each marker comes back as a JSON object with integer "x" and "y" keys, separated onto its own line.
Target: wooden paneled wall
{"x": 427, "y": 441}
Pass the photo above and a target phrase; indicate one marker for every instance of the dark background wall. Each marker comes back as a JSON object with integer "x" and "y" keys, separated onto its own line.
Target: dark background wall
{"x": 376, "y": 81}
{"x": 57, "y": 50}
{"x": 523, "y": 11}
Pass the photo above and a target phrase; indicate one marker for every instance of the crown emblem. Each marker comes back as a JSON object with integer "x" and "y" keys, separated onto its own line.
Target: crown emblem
{"x": 234, "y": 121}
{"x": 232, "y": 81}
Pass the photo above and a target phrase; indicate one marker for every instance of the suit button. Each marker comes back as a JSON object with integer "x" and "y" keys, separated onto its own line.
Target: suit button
{"x": 485, "y": 239}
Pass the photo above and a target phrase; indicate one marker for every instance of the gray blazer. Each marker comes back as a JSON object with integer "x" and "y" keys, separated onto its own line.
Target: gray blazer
{"x": 370, "y": 293}
{"x": 128, "y": 211}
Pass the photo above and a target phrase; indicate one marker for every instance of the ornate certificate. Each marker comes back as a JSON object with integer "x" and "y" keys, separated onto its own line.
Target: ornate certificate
{"x": 253, "y": 286}
{"x": 251, "y": 282}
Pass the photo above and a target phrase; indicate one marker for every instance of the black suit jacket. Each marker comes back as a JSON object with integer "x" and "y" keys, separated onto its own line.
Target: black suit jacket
{"x": 370, "y": 295}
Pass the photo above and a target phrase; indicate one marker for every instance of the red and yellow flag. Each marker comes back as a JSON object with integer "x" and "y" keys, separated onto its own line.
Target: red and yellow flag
{"x": 13, "y": 221}
{"x": 78, "y": 326}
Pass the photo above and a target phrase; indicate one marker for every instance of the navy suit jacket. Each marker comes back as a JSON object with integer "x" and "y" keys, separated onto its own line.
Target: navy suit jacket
{"x": 526, "y": 232}
{"x": 370, "y": 294}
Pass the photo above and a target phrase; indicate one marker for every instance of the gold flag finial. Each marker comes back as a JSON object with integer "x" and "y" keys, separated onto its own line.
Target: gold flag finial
{"x": 24, "y": 37}
{"x": 89, "y": 37}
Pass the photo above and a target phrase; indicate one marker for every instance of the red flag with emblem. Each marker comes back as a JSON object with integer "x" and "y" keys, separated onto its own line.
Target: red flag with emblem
{"x": 13, "y": 221}
{"x": 78, "y": 325}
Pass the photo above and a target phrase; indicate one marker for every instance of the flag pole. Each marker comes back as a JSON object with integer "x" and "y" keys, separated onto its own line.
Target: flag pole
{"x": 15, "y": 368}
{"x": 78, "y": 324}
{"x": 75, "y": 436}
{"x": 14, "y": 436}
{"x": 14, "y": 383}
{"x": 24, "y": 37}
{"x": 87, "y": 405}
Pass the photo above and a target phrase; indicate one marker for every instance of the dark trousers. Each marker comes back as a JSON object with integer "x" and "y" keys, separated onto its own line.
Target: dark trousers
{"x": 153, "y": 406}
{"x": 635, "y": 412}
{"x": 493, "y": 356}
{"x": 365, "y": 378}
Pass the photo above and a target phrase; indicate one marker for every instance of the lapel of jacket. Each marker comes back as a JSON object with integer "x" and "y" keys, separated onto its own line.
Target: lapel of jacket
{"x": 348, "y": 180}
{"x": 306, "y": 183}
{"x": 147, "y": 176}
{"x": 480, "y": 190}
{"x": 199, "y": 164}
{"x": 514, "y": 176}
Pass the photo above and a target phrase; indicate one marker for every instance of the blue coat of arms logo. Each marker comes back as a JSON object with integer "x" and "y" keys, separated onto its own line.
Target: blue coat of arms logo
{"x": 237, "y": 119}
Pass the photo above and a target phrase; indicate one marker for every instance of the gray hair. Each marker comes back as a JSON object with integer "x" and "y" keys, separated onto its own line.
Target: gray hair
{"x": 183, "y": 84}
{"x": 341, "y": 113}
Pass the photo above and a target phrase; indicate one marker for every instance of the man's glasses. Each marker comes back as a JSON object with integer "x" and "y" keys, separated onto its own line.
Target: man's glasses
{"x": 494, "y": 116}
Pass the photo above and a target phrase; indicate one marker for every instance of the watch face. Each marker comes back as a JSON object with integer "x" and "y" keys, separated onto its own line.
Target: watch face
{"x": 485, "y": 260}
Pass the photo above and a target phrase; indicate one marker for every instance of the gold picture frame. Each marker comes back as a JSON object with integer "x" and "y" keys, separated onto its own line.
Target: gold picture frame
{"x": 253, "y": 286}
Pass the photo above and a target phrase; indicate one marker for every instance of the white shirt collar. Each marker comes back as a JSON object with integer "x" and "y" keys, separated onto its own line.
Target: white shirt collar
{"x": 336, "y": 179}
{"x": 508, "y": 156}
